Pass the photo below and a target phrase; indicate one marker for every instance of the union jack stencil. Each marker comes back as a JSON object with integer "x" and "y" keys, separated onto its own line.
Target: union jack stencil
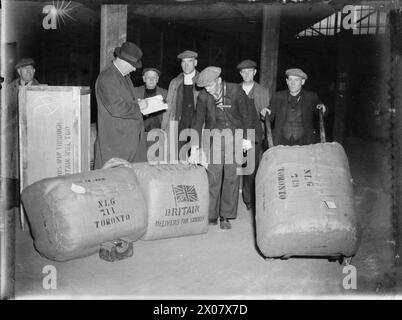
{"x": 184, "y": 193}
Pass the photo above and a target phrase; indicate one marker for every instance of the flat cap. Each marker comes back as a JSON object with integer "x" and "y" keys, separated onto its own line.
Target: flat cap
{"x": 25, "y": 62}
{"x": 151, "y": 69}
{"x": 246, "y": 64}
{"x": 296, "y": 72}
{"x": 208, "y": 75}
{"x": 187, "y": 54}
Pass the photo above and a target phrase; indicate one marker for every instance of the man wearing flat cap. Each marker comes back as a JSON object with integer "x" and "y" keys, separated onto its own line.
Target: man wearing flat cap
{"x": 259, "y": 100}
{"x": 221, "y": 107}
{"x": 26, "y": 77}
{"x": 182, "y": 96}
{"x": 120, "y": 123}
{"x": 150, "y": 76}
{"x": 294, "y": 111}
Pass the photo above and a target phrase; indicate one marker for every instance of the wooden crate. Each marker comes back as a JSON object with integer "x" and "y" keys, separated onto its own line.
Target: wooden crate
{"x": 54, "y": 129}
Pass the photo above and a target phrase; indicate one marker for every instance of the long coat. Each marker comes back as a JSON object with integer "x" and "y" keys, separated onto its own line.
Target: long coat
{"x": 175, "y": 98}
{"x": 279, "y": 109}
{"x": 120, "y": 123}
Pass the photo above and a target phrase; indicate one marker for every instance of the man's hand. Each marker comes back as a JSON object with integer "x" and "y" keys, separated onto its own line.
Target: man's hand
{"x": 264, "y": 111}
{"x": 143, "y": 103}
{"x": 116, "y": 162}
{"x": 246, "y": 145}
{"x": 198, "y": 156}
{"x": 194, "y": 157}
{"x": 321, "y": 107}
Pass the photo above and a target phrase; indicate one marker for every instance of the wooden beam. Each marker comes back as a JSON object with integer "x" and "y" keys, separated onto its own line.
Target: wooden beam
{"x": 343, "y": 107}
{"x": 269, "y": 46}
{"x": 113, "y": 31}
{"x": 161, "y": 49}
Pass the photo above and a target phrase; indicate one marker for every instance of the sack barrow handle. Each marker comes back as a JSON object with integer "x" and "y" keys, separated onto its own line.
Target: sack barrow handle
{"x": 322, "y": 127}
{"x": 268, "y": 131}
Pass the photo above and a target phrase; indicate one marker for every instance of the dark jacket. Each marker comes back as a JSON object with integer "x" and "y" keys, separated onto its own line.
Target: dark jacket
{"x": 140, "y": 92}
{"x": 120, "y": 122}
{"x": 153, "y": 120}
{"x": 174, "y": 100}
{"x": 260, "y": 95}
{"x": 279, "y": 109}
{"x": 238, "y": 115}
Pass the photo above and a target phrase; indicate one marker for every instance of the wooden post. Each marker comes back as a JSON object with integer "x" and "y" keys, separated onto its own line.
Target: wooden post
{"x": 8, "y": 184}
{"x": 138, "y": 35}
{"x": 342, "y": 99}
{"x": 269, "y": 46}
{"x": 209, "y": 51}
{"x": 113, "y": 31}
{"x": 161, "y": 49}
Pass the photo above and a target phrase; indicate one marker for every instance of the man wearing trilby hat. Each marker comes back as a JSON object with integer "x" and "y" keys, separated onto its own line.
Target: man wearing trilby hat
{"x": 120, "y": 122}
{"x": 293, "y": 111}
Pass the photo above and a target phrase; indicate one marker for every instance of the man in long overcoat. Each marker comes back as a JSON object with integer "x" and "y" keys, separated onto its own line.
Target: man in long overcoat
{"x": 120, "y": 122}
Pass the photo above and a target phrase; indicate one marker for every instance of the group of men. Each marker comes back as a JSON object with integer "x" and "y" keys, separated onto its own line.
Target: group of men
{"x": 198, "y": 101}
{"x": 202, "y": 101}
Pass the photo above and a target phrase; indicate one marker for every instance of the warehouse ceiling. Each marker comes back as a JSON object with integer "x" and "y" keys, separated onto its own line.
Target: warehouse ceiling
{"x": 235, "y": 17}
{"x": 232, "y": 18}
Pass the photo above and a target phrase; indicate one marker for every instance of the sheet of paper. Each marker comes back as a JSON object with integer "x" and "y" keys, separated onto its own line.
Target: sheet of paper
{"x": 155, "y": 104}
{"x": 330, "y": 204}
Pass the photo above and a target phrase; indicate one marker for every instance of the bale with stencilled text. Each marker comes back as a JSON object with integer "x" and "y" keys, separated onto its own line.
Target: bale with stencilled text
{"x": 177, "y": 198}
{"x": 71, "y": 216}
{"x": 305, "y": 203}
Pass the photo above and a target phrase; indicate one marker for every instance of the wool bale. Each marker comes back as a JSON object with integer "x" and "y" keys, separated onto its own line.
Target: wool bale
{"x": 177, "y": 198}
{"x": 305, "y": 203}
{"x": 70, "y": 216}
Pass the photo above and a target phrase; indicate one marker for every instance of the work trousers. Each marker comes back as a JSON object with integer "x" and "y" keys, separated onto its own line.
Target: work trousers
{"x": 223, "y": 188}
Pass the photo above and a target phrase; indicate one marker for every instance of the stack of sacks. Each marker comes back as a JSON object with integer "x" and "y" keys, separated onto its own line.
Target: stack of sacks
{"x": 177, "y": 198}
{"x": 70, "y": 216}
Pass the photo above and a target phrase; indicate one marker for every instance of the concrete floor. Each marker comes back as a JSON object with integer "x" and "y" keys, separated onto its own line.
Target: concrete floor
{"x": 226, "y": 264}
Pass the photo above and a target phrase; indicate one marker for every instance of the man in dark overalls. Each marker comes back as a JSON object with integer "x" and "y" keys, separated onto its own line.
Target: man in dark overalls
{"x": 222, "y": 106}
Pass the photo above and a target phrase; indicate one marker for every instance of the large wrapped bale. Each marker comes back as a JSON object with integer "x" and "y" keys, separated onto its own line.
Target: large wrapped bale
{"x": 70, "y": 216}
{"x": 304, "y": 202}
{"x": 177, "y": 198}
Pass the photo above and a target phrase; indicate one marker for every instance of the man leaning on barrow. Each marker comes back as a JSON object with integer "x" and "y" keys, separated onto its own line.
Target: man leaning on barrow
{"x": 293, "y": 111}
{"x": 120, "y": 122}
